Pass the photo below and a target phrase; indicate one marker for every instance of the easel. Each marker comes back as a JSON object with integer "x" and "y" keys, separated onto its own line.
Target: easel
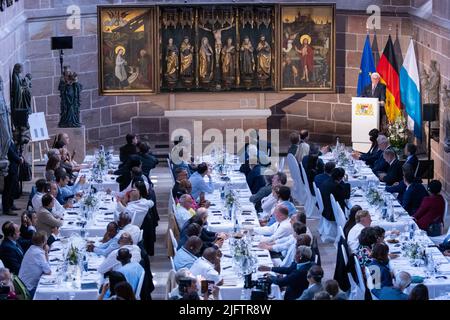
{"x": 41, "y": 143}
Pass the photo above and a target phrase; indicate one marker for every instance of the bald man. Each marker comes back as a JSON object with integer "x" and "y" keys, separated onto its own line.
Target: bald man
{"x": 136, "y": 206}
{"x": 208, "y": 266}
{"x": 187, "y": 254}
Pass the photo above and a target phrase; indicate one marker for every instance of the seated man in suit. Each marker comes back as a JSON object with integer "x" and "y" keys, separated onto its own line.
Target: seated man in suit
{"x": 11, "y": 253}
{"x": 326, "y": 175}
{"x": 400, "y": 187}
{"x": 410, "y": 150}
{"x": 414, "y": 194}
{"x": 401, "y": 282}
{"x": 336, "y": 187}
{"x": 376, "y": 90}
{"x": 394, "y": 173}
{"x": 314, "y": 276}
{"x": 380, "y": 165}
{"x": 295, "y": 280}
{"x": 45, "y": 220}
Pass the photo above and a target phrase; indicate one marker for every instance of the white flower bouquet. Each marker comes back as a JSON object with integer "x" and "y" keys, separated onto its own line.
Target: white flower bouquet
{"x": 398, "y": 133}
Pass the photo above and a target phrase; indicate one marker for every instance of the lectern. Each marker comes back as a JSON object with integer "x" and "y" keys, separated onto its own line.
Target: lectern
{"x": 365, "y": 116}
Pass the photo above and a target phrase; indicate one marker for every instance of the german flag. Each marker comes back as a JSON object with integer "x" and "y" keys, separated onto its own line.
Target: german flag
{"x": 388, "y": 70}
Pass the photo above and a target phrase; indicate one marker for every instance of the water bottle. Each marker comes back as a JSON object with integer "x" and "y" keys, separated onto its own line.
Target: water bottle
{"x": 411, "y": 230}
{"x": 85, "y": 263}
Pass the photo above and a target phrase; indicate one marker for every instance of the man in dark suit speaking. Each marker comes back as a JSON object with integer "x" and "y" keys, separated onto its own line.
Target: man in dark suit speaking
{"x": 376, "y": 90}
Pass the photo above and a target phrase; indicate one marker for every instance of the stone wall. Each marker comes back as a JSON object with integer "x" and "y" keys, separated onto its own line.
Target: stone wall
{"x": 433, "y": 43}
{"x": 109, "y": 118}
{"x": 12, "y": 41}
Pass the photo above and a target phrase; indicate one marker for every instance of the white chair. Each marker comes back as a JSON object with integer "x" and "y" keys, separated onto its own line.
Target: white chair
{"x": 281, "y": 164}
{"x": 361, "y": 284}
{"x": 139, "y": 287}
{"x": 172, "y": 263}
{"x": 340, "y": 232}
{"x": 320, "y": 207}
{"x": 344, "y": 254}
{"x": 174, "y": 241}
{"x": 439, "y": 239}
{"x": 297, "y": 191}
{"x": 338, "y": 213}
{"x": 310, "y": 205}
{"x": 169, "y": 164}
{"x": 445, "y": 212}
{"x": 138, "y": 218}
{"x": 370, "y": 283}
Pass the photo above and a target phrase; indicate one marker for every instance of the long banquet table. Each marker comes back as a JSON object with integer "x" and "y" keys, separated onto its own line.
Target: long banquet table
{"x": 438, "y": 282}
{"x": 70, "y": 284}
{"x": 247, "y": 219}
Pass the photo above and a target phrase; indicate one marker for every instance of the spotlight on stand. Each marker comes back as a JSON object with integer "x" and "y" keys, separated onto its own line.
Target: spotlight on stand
{"x": 61, "y": 43}
{"x": 430, "y": 110}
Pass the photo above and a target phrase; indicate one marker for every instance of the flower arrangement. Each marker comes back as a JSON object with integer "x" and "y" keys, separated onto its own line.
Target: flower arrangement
{"x": 230, "y": 199}
{"x": 414, "y": 250}
{"x": 72, "y": 255}
{"x": 101, "y": 161}
{"x": 243, "y": 258}
{"x": 398, "y": 133}
{"x": 374, "y": 197}
{"x": 90, "y": 201}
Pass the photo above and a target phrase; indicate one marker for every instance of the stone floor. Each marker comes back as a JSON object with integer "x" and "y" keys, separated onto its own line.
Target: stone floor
{"x": 159, "y": 262}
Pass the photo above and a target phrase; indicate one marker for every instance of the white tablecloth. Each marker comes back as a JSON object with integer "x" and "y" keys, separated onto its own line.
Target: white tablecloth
{"x": 437, "y": 285}
{"x": 95, "y": 227}
{"x": 233, "y": 285}
{"x": 54, "y": 287}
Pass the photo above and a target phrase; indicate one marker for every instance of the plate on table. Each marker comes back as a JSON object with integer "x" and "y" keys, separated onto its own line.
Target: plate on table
{"x": 392, "y": 241}
{"x": 47, "y": 281}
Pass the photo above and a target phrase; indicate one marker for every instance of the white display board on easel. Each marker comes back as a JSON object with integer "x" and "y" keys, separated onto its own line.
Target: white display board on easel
{"x": 38, "y": 127}
{"x": 365, "y": 117}
{"x": 39, "y": 135}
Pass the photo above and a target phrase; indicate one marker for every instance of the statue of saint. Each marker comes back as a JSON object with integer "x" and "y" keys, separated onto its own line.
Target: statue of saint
{"x": 5, "y": 127}
{"x": 247, "y": 59}
{"x": 431, "y": 83}
{"x": 264, "y": 58}
{"x": 70, "y": 91}
{"x": 20, "y": 105}
{"x": 16, "y": 88}
{"x": 229, "y": 61}
{"x": 306, "y": 58}
{"x": 171, "y": 62}
{"x": 186, "y": 51}
{"x": 26, "y": 92}
{"x": 205, "y": 61}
